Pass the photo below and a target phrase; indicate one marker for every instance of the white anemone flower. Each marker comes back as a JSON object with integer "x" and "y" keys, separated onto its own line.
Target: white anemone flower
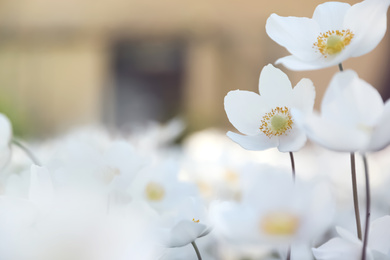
{"x": 274, "y": 211}
{"x": 348, "y": 246}
{"x": 265, "y": 119}
{"x": 188, "y": 223}
{"x": 336, "y": 32}
{"x": 353, "y": 116}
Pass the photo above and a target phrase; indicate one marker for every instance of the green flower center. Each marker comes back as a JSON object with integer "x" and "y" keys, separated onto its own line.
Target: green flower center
{"x": 333, "y": 42}
{"x": 277, "y": 122}
{"x": 154, "y": 191}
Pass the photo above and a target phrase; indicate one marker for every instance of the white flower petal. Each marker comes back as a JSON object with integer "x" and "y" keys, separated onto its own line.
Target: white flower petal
{"x": 346, "y": 235}
{"x": 330, "y": 15}
{"x": 296, "y": 34}
{"x": 275, "y": 87}
{"x": 337, "y": 249}
{"x": 368, "y": 21}
{"x": 185, "y": 232}
{"x": 350, "y": 100}
{"x": 254, "y": 143}
{"x": 293, "y": 63}
{"x": 293, "y": 141}
{"x": 381, "y": 134}
{"x": 333, "y": 136}
{"x": 41, "y": 187}
{"x": 303, "y": 96}
{"x": 244, "y": 110}
{"x": 380, "y": 235}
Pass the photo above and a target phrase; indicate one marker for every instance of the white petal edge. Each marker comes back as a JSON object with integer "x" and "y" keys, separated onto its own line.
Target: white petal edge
{"x": 303, "y": 96}
{"x": 273, "y": 82}
{"x": 244, "y": 110}
{"x": 293, "y": 141}
{"x": 370, "y": 30}
{"x": 351, "y": 100}
{"x": 380, "y": 235}
{"x": 380, "y": 137}
{"x": 337, "y": 249}
{"x": 296, "y": 34}
{"x": 331, "y": 135}
{"x": 258, "y": 142}
{"x": 330, "y": 15}
{"x": 185, "y": 232}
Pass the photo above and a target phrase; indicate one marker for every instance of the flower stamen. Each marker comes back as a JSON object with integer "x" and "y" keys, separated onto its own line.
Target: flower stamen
{"x": 154, "y": 191}
{"x": 333, "y": 41}
{"x": 196, "y": 221}
{"x": 279, "y": 223}
{"x": 277, "y": 122}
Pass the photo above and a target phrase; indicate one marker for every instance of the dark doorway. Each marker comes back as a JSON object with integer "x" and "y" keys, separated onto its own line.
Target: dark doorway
{"x": 148, "y": 79}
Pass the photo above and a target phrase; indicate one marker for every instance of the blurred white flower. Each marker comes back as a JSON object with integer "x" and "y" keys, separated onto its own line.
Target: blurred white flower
{"x": 353, "y": 116}
{"x": 336, "y": 32}
{"x": 188, "y": 223}
{"x": 348, "y": 246}
{"x": 265, "y": 120}
{"x": 273, "y": 211}
{"x": 81, "y": 161}
{"x": 159, "y": 186}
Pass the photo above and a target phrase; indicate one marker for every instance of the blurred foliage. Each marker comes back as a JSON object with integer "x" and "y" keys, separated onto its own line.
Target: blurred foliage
{"x": 21, "y": 125}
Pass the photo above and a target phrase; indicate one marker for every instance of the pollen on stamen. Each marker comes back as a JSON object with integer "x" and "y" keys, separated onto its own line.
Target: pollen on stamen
{"x": 333, "y": 41}
{"x": 277, "y": 122}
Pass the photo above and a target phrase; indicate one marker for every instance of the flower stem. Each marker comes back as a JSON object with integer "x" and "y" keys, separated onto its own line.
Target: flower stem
{"x": 27, "y": 151}
{"x": 288, "y": 253}
{"x": 341, "y": 67}
{"x": 293, "y": 176}
{"x": 292, "y": 165}
{"x": 355, "y": 196}
{"x": 368, "y": 204}
{"x": 196, "y": 250}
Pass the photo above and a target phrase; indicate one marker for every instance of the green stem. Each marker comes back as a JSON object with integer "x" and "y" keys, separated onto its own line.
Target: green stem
{"x": 27, "y": 151}
{"x": 355, "y": 196}
{"x": 368, "y": 205}
{"x": 196, "y": 250}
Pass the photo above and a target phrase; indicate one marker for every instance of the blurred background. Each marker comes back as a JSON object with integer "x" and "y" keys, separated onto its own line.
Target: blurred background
{"x": 65, "y": 63}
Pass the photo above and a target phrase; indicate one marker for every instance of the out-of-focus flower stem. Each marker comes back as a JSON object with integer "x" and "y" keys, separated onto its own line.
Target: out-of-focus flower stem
{"x": 354, "y": 187}
{"x": 27, "y": 151}
{"x": 196, "y": 250}
{"x": 368, "y": 204}
{"x": 293, "y": 175}
{"x": 292, "y": 165}
{"x": 288, "y": 253}
{"x": 355, "y": 196}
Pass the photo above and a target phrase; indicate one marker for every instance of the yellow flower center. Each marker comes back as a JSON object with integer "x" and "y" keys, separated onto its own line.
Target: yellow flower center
{"x": 333, "y": 42}
{"x": 276, "y": 122}
{"x": 279, "y": 223}
{"x": 196, "y": 221}
{"x": 154, "y": 191}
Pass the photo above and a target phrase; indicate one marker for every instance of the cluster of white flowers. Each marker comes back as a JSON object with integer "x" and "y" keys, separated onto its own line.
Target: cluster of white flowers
{"x": 353, "y": 119}
{"x": 91, "y": 195}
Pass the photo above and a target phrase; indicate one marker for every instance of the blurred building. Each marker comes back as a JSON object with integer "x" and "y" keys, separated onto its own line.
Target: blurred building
{"x": 118, "y": 62}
